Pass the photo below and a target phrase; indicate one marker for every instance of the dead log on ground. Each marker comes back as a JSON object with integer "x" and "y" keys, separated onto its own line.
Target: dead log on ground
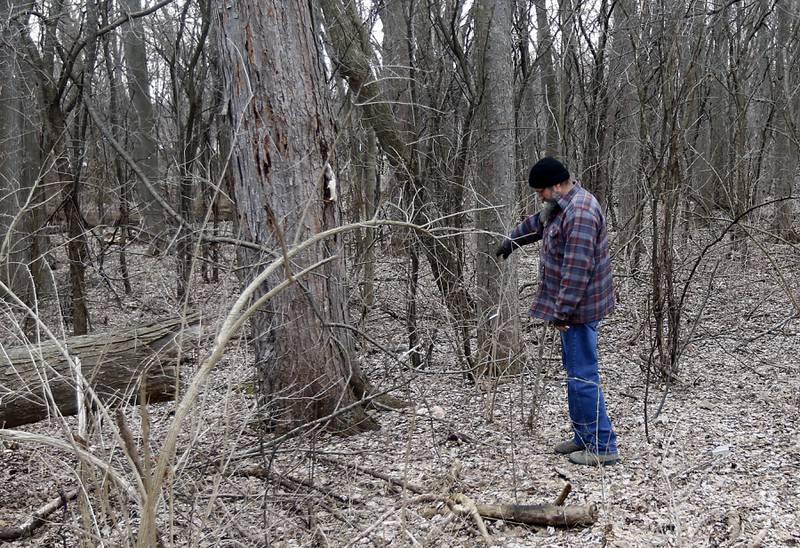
{"x": 541, "y": 514}
{"x": 36, "y": 378}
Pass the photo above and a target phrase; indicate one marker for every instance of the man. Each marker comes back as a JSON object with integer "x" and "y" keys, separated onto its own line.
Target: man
{"x": 575, "y": 293}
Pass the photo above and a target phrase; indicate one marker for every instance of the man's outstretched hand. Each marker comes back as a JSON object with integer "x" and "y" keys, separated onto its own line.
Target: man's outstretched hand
{"x": 504, "y": 249}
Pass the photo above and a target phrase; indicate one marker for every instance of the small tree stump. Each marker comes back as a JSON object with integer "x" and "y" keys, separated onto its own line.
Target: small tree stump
{"x": 34, "y": 379}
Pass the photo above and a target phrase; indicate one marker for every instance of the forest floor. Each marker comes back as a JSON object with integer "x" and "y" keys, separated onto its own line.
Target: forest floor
{"x": 719, "y": 465}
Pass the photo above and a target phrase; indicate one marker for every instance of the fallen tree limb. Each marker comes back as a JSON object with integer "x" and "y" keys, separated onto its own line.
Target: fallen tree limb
{"x": 541, "y": 514}
{"x": 380, "y": 475}
{"x": 289, "y": 482}
{"x": 36, "y": 378}
{"x": 527, "y": 514}
{"x": 464, "y": 505}
{"x": 563, "y": 495}
{"x": 38, "y": 517}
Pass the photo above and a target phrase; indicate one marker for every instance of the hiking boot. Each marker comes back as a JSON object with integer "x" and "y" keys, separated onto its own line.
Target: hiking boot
{"x": 590, "y": 458}
{"x": 567, "y": 447}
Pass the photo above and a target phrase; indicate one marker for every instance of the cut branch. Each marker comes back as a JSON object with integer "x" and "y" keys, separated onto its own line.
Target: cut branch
{"x": 541, "y": 514}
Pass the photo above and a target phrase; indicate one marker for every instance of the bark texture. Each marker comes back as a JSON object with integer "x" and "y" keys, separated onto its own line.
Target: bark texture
{"x": 145, "y": 150}
{"x": 541, "y": 514}
{"x": 36, "y": 378}
{"x": 496, "y": 290}
{"x": 285, "y": 191}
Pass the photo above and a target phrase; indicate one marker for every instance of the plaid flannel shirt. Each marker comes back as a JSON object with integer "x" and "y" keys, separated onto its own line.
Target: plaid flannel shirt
{"x": 574, "y": 265}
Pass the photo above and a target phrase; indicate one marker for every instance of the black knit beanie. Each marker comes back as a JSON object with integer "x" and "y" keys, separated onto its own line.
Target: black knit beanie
{"x": 547, "y": 172}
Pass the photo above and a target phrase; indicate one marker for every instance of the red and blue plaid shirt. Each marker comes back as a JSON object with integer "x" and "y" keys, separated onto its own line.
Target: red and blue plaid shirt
{"x": 574, "y": 267}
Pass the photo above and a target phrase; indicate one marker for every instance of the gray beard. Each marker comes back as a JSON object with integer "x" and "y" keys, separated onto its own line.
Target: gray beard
{"x": 550, "y": 209}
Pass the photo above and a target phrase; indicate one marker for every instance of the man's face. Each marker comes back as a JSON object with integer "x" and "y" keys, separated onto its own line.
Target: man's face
{"x": 548, "y": 193}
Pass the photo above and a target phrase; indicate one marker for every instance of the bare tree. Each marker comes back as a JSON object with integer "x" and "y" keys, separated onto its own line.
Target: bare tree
{"x": 626, "y": 121}
{"x": 496, "y": 288}
{"x": 143, "y": 133}
{"x": 57, "y": 99}
{"x": 23, "y": 247}
{"x": 433, "y": 195}
{"x": 595, "y": 154}
{"x": 10, "y": 154}
{"x": 785, "y": 103}
{"x": 553, "y": 123}
{"x": 286, "y": 191}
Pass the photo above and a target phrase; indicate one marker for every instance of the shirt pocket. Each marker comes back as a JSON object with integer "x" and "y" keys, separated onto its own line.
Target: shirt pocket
{"x": 551, "y": 243}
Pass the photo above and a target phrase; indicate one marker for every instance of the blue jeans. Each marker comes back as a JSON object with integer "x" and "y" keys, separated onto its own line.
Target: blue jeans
{"x": 587, "y": 407}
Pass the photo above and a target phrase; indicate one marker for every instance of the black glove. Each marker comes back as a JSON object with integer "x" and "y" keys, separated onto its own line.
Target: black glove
{"x": 550, "y": 209}
{"x": 505, "y": 248}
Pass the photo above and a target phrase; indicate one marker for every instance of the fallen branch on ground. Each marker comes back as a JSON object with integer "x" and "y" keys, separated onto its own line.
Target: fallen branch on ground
{"x": 289, "y": 482}
{"x": 554, "y": 515}
{"x": 38, "y": 518}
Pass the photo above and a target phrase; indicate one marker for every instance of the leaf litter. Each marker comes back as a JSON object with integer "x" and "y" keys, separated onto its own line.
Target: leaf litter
{"x": 721, "y": 465}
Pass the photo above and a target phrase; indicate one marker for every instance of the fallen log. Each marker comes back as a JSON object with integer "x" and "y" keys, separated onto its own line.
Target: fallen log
{"x": 36, "y": 378}
{"x": 541, "y": 514}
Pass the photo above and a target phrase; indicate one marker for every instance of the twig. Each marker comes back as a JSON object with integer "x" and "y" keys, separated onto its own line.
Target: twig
{"x": 129, "y": 445}
{"x": 758, "y": 540}
{"x": 460, "y": 505}
{"x": 765, "y": 332}
{"x": 452, "y": 476}
{"x": 372, "y": 527}
{"x": 21, "y": 436}
{"x": 564, "y": 494}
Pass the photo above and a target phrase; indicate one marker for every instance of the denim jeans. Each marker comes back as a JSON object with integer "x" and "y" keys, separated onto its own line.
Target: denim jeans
{"x": 587, "y": 407}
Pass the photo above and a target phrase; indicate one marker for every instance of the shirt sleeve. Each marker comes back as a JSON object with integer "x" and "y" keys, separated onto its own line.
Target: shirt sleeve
{"x": 528, "y": 231}
{"x": 580, "y": 230}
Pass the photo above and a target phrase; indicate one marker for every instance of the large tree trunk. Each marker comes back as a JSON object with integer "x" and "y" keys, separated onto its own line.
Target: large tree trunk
{"x": 35, "y": 379}
{"x": 496, "y": 287}
{"x": 10, "y": 156}
{"x": 20, "y": 252}
{"x": 286, "y": 192}
{"x": 552, "y": 143}
{"x": 143, "y": 127}
{"x": 785, "y": 150}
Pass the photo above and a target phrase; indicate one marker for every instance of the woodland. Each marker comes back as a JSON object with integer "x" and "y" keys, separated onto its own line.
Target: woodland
{"x": 249, "y": 293}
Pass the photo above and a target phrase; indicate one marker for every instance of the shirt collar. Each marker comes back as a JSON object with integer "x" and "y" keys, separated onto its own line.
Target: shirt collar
{"x": 567, "y": 198}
